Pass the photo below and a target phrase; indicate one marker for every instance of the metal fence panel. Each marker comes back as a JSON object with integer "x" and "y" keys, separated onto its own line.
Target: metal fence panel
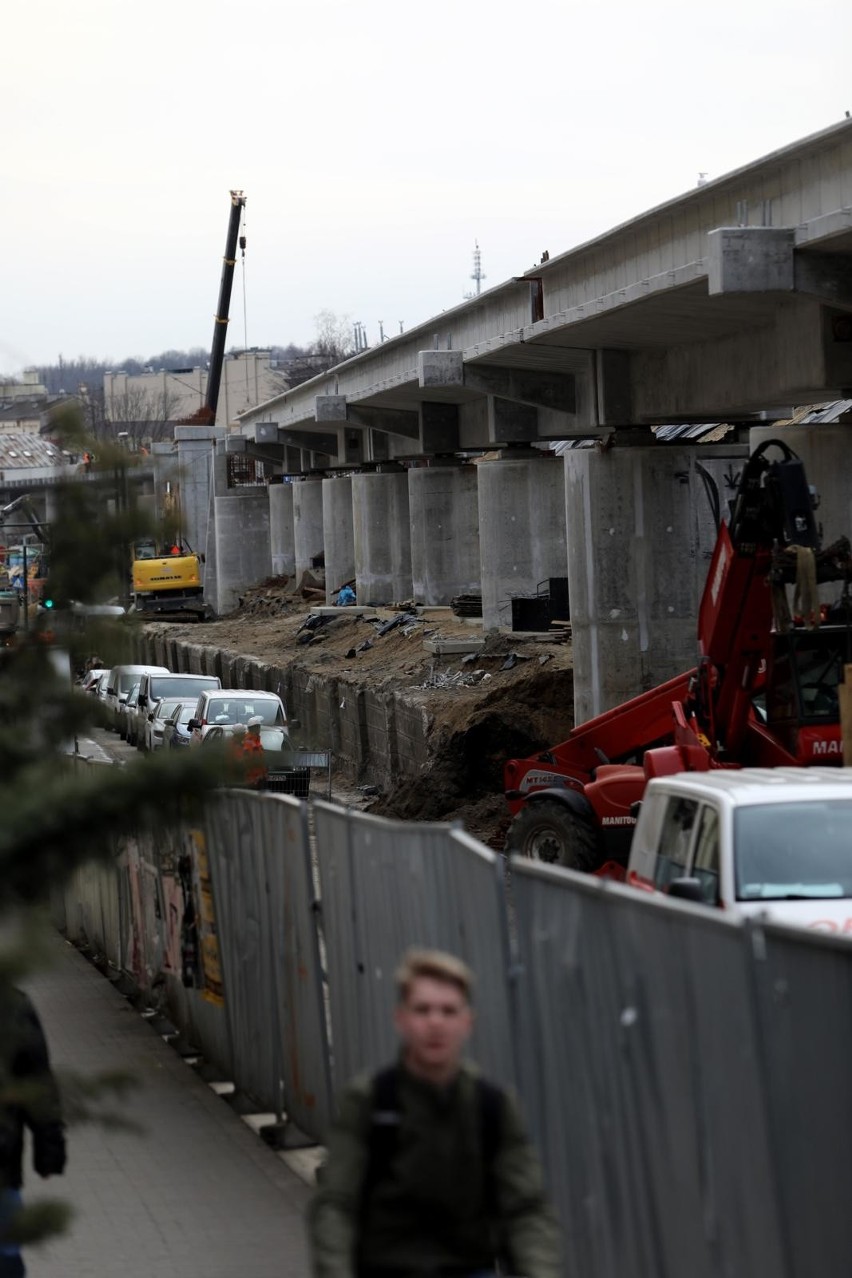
{"x": 803, "y": 984}
{"x": 640, "y": 1071}
{"x": 298, "y": 1009}
{"x": 388, "y": 885}
{"x": 242, "y": 922}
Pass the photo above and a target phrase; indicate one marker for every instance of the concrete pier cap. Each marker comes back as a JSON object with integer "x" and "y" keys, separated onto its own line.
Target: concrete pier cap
{"x": 382, "y": 535}
{"x": 641, "y": 528}
{"x": 282, "y": 542}
{"x": 522, "y": 529}
{"x": 444, "y": 520}
{"x": 338, "y": 536}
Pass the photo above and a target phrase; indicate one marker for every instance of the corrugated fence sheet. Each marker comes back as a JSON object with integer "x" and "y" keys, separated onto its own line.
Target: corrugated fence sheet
{"x": 299, "y": 1011}
{"x": 388, "y": 885}
{"x": 243, "y": 924}
{"x": 640, "y": 1071}
{"x": 803, "y": 988}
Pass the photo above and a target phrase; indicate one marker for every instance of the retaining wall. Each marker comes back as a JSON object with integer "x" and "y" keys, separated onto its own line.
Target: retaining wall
{"x": 375, "y": 734}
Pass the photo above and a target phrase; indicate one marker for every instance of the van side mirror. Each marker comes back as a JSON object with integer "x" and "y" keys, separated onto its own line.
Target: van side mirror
{"x": 686, "y": 889}
{"x": 635, "y": 808}
{"x": 294, "y": 723}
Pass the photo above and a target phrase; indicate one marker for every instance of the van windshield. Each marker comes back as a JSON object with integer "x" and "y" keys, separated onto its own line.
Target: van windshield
{"x": 181, "y": 685}
{"x": 792, "y": 851}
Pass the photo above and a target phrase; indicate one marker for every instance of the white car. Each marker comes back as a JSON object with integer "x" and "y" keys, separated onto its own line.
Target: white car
{"x": 770, "y": 841}
{"x": 224, "y": 707}
{"x": 151, "y": 737}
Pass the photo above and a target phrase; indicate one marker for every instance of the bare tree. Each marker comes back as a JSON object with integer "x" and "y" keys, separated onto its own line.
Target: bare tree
{"x": 142, "y": 415}
{"x": 334, "y": 337}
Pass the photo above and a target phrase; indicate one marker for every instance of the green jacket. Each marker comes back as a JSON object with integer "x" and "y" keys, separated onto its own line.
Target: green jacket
{"x": 430, "y": 1215}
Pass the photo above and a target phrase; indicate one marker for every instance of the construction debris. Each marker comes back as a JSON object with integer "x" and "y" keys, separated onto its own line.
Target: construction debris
{"x": 467, "y": 605}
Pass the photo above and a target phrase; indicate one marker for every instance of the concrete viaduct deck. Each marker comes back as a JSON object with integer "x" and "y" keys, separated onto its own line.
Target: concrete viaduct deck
{"x": 723, "y": 305}
{"x": 728, "y": 301}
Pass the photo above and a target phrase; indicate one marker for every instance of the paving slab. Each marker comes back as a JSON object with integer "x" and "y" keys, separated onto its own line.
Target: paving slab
{"x": 196, "y": 1195}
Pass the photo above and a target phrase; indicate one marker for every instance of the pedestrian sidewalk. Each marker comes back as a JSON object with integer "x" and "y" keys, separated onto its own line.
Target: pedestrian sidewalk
{"x": 197, "y": 1195}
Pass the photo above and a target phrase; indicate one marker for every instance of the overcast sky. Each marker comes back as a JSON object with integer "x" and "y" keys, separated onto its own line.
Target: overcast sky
{"x": 376, "y": 141}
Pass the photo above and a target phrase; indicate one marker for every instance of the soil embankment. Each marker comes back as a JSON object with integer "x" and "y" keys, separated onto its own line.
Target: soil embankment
{"x": 430, "y": 730}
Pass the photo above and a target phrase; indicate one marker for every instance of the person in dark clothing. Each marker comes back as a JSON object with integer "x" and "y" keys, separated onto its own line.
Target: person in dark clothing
{"x": 430, "y": 1173}
{"x": 29, "y": 1098}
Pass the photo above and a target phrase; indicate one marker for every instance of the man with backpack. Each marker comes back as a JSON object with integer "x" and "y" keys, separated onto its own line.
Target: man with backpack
{"x": 429, "y": 1170}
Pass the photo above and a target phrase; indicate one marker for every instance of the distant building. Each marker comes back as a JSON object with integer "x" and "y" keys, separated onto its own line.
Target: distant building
{"x": 171, "y": 394}
{"x": 26, "y": 406}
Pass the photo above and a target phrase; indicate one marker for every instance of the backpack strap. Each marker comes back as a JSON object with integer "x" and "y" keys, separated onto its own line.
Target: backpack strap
{"x": 383, "y": 1130}
{"x": 490, "y": 1103}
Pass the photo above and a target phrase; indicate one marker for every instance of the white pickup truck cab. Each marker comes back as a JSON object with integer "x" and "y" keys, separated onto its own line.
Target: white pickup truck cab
{"x": 774, "y": 841}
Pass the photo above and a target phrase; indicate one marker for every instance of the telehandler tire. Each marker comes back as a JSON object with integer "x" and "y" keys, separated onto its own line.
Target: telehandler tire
{"x": 550, "y": 832}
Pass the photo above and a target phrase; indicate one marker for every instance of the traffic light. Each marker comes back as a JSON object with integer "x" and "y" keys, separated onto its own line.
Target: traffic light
{"x": 47, "y": 603}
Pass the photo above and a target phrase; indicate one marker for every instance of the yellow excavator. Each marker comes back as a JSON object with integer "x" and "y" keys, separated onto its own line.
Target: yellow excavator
{"x": 167, "y": 580}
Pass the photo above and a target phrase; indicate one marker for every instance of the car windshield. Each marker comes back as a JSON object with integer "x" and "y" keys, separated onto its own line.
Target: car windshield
{"x": 126, "y": 680}
{"x": 181, "y": 685}
{"x": 794, "y": 851}
{"x": 223, "y": 710}
{"x": 166, "y": 707}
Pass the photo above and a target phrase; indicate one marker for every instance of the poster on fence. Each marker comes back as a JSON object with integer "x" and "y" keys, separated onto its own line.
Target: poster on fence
{"x": 205, "y": 920}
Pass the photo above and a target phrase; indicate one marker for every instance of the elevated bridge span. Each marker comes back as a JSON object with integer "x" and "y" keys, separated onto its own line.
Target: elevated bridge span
{"x": 730, "y": 300}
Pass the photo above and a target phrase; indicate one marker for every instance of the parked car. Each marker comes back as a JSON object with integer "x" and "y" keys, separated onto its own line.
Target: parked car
{"x": 176, "y": 733}
{"x": 282, "y": 776}
{"x": 184, "y": 687}
{"x": 121, "y": 680}
{"x": 100, "y": 688}
{"x": 88, "y": 681}
{"x": 154, "y": 722}
{"x": 751, "y": 841}
{"x": 227, "y": 706}
{"x": 127, "y": 715}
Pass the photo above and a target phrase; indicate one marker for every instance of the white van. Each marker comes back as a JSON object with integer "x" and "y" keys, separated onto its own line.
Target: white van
{"x": 121, "y": 680}
{"x": 772, "y": 841}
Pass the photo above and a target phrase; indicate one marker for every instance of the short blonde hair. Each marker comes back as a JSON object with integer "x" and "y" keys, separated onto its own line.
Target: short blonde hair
{"x": 435, "y": 965}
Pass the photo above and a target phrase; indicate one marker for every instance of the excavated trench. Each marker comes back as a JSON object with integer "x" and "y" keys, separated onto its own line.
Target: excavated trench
{"x": 431, "y": 752}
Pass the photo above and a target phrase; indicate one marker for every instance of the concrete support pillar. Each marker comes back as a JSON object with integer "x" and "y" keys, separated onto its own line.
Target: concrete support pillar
{"x": 444, "y": 515}
{"x": 195, "y": 445}
{"x": 242, "y": 544}
{"x": 281, "y": 537}
{"x": 307, "y": 524}
{"x": 641, "y": 531}
{"x": 521, "y": 530}
{"x": 338, "y": 537}
{"x": 380, "y": 518}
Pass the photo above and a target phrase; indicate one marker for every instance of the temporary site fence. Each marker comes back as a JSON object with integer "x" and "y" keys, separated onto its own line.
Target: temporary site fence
{"x": 687, "y": 1079}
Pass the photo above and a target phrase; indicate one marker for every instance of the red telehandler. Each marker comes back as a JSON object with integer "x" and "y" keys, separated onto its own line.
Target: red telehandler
{"x": 764, "y": 693}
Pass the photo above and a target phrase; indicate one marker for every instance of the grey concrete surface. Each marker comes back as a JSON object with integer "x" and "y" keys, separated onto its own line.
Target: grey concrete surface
{"x": 382, "y": 536}
{"x": 522, "y": 534}
{"x": 640, "y": 536}
{"x": 444, "y": 514}
{"x": 196, "y": 1195}
{"x": 338, "y": 535}
{"x": 242, "y": 544}
{"x": 307, "y": 523}
{"x": 281, "y": 534}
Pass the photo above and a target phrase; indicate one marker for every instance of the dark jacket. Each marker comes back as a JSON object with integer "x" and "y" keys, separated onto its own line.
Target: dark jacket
{"x": 29, "y": 1096}
{"x": 430, "y": 1214}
